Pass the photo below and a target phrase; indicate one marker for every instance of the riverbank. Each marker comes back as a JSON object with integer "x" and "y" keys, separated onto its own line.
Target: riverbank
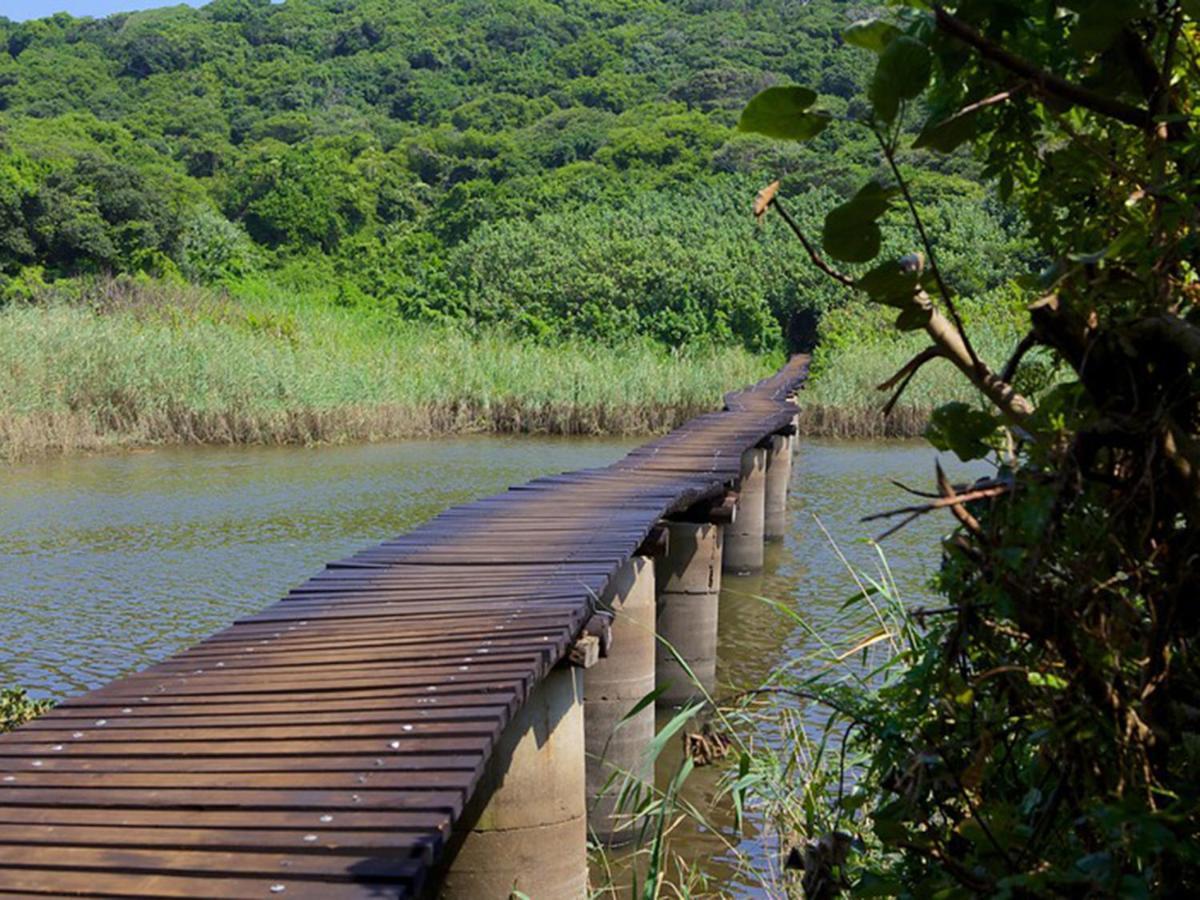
{"x": 133, "y": 364}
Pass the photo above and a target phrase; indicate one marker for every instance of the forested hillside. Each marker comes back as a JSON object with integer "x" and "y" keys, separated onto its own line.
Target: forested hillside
{"x": 560, "y": 169}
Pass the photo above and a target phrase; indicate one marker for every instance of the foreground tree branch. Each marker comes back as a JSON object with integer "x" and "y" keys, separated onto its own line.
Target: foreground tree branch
{"x": 1044, "y": 82}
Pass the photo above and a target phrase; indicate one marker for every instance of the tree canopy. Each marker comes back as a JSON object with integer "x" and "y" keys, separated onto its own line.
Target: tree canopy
{"x": 1040, "y": 738}
{"x": 389, "y": 140}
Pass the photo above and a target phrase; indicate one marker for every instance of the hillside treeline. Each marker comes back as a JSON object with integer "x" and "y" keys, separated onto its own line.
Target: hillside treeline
{"x": 558, "y": 169}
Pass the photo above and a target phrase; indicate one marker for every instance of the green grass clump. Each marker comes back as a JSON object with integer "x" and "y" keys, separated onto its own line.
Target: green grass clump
{"x": 17, "y": 708}
{"x": 132, "y": 362}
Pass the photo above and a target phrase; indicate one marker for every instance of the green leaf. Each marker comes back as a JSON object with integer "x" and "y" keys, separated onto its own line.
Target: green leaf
{"x": 848, "y": 238}
{"x": 962, "y": 430}
{"x": 782, "y": 112}
{"x": 945, "y": 135}
{"x": 1191, "y": 7}
{"x": 914, "y": 317}
{"x": 850, "y": 233}
{"x": 889, "y": 284}
{"x": 902, "y": 72}
{"x": 872, "y": 200}
{"x": 1099, "y": 22}
{"x": 647, "y": 700}
{"x": 1048, "y": 680}
{"x": 870, "y": 34}
{"x": 889, "y": 831}
{"x": 872, "y": 885}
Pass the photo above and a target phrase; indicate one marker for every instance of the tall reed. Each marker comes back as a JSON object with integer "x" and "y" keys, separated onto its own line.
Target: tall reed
{"x": 859, "y": 350}
{"x": 789, "y": 768}
{"x": 137, "y": 366}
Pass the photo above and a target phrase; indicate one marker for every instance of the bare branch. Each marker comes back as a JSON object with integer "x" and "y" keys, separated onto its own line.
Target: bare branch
{"x": 905, "y": 375}
{"x": 890, "y": 155}
{"x": 1043, "y": 82}
{"x": 812, "y": 251}
{"x": 912, "y": 490}
{"x": 956, "y": 501}
{"x": 1010, "y": 368}
{"x": 910, "y": 367}
{"x": 988, "y": 489}
{"x": 944, "y": 334}
{"x": 1001, "y": 97}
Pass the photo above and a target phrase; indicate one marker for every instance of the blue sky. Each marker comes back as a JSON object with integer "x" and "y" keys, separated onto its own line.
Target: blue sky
{"x": 36, "y": 9}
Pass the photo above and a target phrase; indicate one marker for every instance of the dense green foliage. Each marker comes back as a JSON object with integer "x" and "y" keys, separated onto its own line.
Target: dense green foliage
{"x": 1038, "y": 735}
{"x": 561, "y": 168}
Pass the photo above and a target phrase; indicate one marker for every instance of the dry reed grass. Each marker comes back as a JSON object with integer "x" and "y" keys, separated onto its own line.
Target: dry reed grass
{"x": 136, "y": 365}
{"x": 866, "y": 423}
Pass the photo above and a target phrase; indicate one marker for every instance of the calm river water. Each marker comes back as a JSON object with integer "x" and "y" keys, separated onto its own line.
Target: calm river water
{"x": 109, "y": 563}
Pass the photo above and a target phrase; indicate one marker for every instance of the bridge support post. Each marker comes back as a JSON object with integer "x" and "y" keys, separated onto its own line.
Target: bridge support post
{"x": 612, "y": 688}
{"x": 744, "y": 538}
{"x": 689, "y": 585}
{"x": 528, "y": 818}
{"x": 779, "y": 475}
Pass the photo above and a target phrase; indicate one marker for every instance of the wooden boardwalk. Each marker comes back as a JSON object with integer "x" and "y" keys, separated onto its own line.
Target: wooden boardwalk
{"x": 325, "y": 747}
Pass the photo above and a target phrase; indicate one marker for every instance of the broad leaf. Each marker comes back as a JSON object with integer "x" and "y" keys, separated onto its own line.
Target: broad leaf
{"x": 851, "y": 233}
{"x": 889, "y": 284}
{"x": 913, "y": 317}
{"x": 783, "y": 112}
{"x": 872, "y": 200}
{"x": 1100, "y": 21}
{"x": 945, "y": 135}
{"x": 848, "y": 238}
{"x": 870, "y": 34}
{"x": 902, "y": 73}
{"x": 961, "y": 429}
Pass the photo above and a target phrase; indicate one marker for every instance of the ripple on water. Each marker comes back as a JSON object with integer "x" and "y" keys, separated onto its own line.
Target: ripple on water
{"x": 110, "y": 563}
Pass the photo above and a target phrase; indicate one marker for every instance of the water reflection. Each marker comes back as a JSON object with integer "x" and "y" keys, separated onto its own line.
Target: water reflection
{"x": 110, "y": 563}
{"x": 835, "y": 484}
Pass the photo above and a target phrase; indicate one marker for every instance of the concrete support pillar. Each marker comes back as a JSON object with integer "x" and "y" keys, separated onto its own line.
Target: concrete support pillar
{"x": 612, "y": 688}
{"x": 689, "y": 584}
{"x": 779, "y": 475}
{"x": 796, "y": 435}
{"x": 529, "y": 814}
{"x": 744, "y": 538}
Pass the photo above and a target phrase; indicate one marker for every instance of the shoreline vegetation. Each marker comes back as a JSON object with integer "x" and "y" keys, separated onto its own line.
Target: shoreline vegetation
{"x": 405, "y": 220}
{"x": 132, "y": 362}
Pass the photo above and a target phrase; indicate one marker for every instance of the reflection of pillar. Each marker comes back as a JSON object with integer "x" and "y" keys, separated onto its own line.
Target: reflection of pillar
{"x": 689, "y": 584}
{"x": 612, "y": 688}
{"x": 530, "y": 818}
{"x": 744, "y": 538}
{"x": 779, "y": 474}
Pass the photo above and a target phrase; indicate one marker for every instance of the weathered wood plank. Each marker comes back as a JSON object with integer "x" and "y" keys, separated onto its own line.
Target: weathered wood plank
{"x": 325, "y": 746}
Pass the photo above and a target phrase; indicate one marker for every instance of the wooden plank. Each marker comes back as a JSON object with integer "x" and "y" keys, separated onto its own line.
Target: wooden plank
{"x": 325, "y": 746}
{"x": 32, "y": 882}
{"x": 411, "y": 844}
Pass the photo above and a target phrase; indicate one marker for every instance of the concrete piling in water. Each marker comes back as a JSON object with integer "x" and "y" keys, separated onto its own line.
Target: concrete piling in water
{"x": 779, "y": 475}
{"x": 743, "y": 551}
{"x": 529, "y": 813}
{"x": 612, "y": 688}
{"x": 689, "y": 584}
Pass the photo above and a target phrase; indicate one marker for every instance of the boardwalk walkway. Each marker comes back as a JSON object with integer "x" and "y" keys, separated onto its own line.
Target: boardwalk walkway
{"x": 325, "y": 747}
